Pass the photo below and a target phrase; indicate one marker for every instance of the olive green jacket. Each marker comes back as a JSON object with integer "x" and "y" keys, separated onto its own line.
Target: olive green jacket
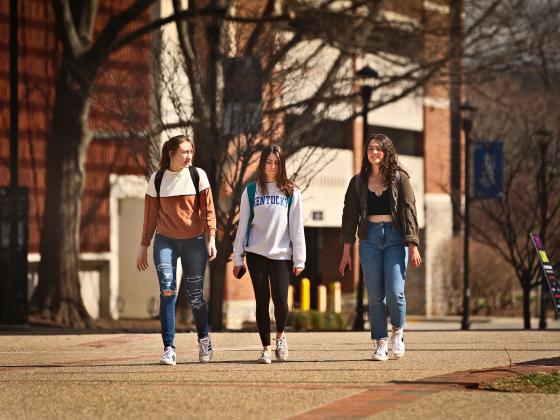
{"x": 403, "y": 209}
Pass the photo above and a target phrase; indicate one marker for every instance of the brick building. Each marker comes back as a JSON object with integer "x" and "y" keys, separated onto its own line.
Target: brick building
{"x": 419, "y": 125}
{"x": 115, "y": 183}
{"x": 39, "y": 54}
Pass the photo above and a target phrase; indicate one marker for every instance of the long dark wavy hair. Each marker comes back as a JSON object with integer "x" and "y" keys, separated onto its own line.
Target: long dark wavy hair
{"x": 284, "y": 183}
{"x": 170, "y": 147}
{"x": 389, "y": 163}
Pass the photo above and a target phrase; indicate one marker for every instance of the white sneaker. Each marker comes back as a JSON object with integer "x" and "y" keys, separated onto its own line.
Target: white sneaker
{"x": 397, "y": 343}
{"x": 205, "y": 351}
{"x": 281, "y": 349}
{"x": 381, "y": 352}
{"x": 265, "y": 358}
{"x": 168, "y": 357}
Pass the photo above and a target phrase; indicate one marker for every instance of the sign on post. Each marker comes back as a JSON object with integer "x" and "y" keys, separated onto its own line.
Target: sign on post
{"x": 488, "y": 169}
{"x": 548, "y": 272}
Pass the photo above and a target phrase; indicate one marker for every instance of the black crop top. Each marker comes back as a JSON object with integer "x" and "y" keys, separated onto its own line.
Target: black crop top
{"x": 378, "y": 205}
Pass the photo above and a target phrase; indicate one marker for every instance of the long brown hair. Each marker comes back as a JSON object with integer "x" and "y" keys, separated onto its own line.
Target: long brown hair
{"x": 284, "y": 183}
{"x": 389, "y": 163}
{"x": 170, "y": 147}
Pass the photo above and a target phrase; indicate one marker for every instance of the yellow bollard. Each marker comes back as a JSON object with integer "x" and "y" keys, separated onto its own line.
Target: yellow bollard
{"x": 335, "y": 297}
{"x": 290, "y": 298}
{"x": 322, "y": 298}
{"x": 304, "y": 294}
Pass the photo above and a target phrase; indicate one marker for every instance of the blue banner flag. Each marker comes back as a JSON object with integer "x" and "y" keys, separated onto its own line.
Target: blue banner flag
{"x": 488, "y": 169}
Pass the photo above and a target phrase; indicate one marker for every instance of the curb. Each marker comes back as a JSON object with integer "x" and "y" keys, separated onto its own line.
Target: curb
{"x": 386, "y": 397}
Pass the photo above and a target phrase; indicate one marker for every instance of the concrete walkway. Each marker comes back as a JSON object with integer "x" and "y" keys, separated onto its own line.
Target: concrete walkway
{"x": 328, "y": 375}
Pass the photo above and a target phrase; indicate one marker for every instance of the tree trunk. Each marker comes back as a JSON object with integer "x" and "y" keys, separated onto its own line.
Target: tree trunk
{"x": 57, "y": 296}
{"x": 526, "y": 305}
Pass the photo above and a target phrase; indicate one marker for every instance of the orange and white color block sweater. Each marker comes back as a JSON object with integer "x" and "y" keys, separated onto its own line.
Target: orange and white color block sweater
{"x": 177, "y": 215}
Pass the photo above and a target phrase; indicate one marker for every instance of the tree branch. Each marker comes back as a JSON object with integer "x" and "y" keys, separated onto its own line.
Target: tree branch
{"x": 190, "y": 14}
{"x": 88, "y": 14}
{"x": 104, "y": 45}
{"x": 66, "y": 27}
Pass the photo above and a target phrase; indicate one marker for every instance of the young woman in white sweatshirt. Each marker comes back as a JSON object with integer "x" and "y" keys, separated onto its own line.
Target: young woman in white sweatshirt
{"x": 270, "y": 235}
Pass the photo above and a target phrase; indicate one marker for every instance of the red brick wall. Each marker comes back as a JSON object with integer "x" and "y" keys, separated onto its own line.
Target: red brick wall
{"x": 237, "y": 289}
{"x": 437, "y": 149}
{"x": 38, "y": 57}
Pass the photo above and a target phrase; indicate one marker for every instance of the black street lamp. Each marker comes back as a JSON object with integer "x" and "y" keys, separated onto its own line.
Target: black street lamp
{"x": 543, "y": 140}
{"x": 467, "y": 113}
{"x": 13, "y": 207}
{"x": 366, "y": 80}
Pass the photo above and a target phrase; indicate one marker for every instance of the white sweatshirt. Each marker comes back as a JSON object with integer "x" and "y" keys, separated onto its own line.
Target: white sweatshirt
{"x": 271, "y": 235}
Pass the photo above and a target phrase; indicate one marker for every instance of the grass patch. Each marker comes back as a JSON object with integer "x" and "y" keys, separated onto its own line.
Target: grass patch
{"x": 538, "y": 382}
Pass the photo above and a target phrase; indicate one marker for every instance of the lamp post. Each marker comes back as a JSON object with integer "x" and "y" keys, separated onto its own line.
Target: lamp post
{"x": 13, "y": 207}
{"x": 543, "y": 140}
{"x": 467, "y": 114}
{"x": 366, "y": 79}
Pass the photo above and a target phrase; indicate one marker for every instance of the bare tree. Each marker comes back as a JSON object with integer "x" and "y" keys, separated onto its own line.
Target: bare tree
{"x": 512, "y": 70}
{"x": 57, "y": 295}
{"x": 260, "y": 79}
{"x": 237, "y": 85}
{"x": 303, "y": 52}
{"x": 515, "y": 109}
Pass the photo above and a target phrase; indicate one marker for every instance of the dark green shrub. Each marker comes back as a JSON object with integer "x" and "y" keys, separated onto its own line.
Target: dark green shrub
{"x": 316, "y": 321}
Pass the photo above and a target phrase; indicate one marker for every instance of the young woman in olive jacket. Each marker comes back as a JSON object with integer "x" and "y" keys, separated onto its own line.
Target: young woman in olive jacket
{"x": 380, "y": 203}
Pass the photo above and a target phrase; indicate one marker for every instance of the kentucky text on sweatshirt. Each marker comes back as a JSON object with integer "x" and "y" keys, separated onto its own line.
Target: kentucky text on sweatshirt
{"x": 271, "y": 235}
{"x": 177, "y": 215}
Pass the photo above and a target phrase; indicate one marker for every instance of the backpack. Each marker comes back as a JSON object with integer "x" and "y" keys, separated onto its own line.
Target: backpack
{"x": 194, "y": 176}
{"x": 251, "y": 191}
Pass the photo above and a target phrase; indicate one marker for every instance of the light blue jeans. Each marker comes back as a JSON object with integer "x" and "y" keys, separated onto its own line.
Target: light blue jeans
{"x": 384, "y": 258}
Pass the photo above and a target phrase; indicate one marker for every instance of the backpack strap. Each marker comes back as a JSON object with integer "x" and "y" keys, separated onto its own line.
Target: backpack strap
{"x": 196, "y": 181}
{"x": 194, "y": 176}
{"x": 157, "y": 182}
{"x": 251, "y": 191}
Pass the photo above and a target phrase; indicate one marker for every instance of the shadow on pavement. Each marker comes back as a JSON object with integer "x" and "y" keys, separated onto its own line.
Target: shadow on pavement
{"x": 551, "y": 361}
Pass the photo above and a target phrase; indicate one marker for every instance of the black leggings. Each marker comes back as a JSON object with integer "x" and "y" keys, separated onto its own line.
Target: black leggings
{"x": 278, "y": 271}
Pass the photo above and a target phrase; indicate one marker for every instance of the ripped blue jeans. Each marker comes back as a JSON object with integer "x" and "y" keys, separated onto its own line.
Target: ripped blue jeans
{"x": 194, "y": 257}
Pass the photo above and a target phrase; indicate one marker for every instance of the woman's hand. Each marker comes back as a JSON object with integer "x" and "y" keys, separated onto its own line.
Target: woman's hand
{"x": 142, "y": 259}
{"x": 414, "y": 257}
{"x": 346, "y": 261}
{"x": 212, "y": 251}
{"x": 297, "y": 270}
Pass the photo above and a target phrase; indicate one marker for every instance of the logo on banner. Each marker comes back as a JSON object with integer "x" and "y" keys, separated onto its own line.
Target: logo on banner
{"x": 488, "y": 169}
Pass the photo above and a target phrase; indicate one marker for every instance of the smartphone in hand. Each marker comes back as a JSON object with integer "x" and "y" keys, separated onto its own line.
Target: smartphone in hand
{"x": 241, "y": 272}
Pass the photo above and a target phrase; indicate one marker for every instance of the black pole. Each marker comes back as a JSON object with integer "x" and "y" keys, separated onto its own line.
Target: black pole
{"x": 543, "y": 148}
{"x": 14, "y": 130}
{"x": 365, "y": 92}
{"x": 359, "y": 321}
{"x": 14, "y": 303}
{"x": 465, "y": 321}
{"x": 14, "y": 107}
{"x": 455, "y": 93}
{"x": 543, "y": 325}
